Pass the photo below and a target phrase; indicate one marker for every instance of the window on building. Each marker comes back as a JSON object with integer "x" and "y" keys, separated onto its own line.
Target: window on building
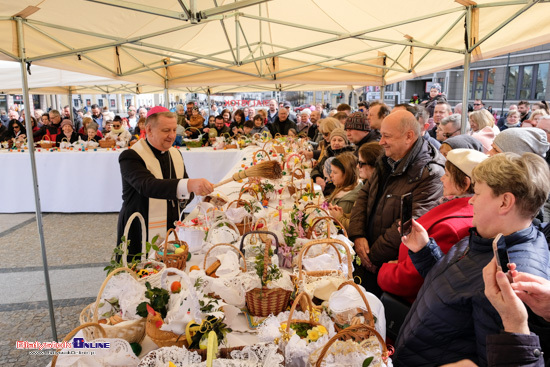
{"x": 482, "y": 84}
{"x": 527, "y": 81}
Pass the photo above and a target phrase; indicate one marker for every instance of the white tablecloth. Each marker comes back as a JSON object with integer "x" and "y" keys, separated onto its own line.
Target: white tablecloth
{"x": 72, "y": 181}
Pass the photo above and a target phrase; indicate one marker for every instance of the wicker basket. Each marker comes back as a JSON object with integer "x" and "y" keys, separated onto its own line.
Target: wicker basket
{"x": 357, "y": 333}
{"x": 329, "y": 219}
{"x": 304, "y": 302}
{"x": 299, "y": 174}
{"x": 260, "y": 155}
{"x": 46, "y": 144}
{"x": 107, "y": 143}
{"x": 69, "y": 336}
{"x": 132, "y": 331}
{"x": 193, "y": 143}
{"x": 177, "y": 261}
{"x": 247, "y": 224}
{"x": 321, "y": 273}
{"x": 263, "y": 302}
{"x": 153, "y": 279}
{"x": 368, "y": 317}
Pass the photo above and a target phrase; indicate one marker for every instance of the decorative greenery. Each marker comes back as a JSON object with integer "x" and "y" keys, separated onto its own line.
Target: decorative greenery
{"x": 368, "y": 361}
{"x": 118, "y": 252}
{"x": 158, "y": 300}
{"x": 252, "y": 206}
{"x": 273, "y": 271}
{"x": 211, "y": 323}
{"x": 297, "y": 226}
{"x": 115, "y": 307}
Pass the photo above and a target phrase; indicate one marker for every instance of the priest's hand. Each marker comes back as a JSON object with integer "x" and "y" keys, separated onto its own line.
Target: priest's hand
{"x": 200, "y": 186}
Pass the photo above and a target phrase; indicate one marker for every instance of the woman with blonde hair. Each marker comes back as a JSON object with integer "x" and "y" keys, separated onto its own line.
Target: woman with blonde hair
{"x": 484, "y": 128}
{"x": 535, "y": 118}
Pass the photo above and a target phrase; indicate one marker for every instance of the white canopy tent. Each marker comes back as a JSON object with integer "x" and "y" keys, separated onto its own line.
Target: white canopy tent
{"x": 276, "y": 44}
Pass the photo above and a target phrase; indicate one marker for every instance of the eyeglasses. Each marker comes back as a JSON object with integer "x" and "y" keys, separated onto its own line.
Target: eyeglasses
{"x": 16, "y": 127}
{"x": 448, "y": 135}
{"x": 361, "y": 164}
{"x": 326, "y": 134}
{"x": 478, "y": 104}
{"x": 116, "y": 126}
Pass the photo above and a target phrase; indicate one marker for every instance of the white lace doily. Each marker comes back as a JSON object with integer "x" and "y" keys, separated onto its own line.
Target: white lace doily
{"x": 129, "y": 293}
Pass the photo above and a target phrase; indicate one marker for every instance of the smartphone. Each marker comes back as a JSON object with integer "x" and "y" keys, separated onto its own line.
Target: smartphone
{"x": 501, "y": 254}
{"x": 406, "y": 213}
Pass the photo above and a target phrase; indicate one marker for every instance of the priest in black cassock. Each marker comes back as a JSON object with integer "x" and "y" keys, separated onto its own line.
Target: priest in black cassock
{"x": 154, "y": 181}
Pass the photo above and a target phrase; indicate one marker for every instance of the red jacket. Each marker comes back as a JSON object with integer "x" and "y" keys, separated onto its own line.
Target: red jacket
{"x": 447, "y": 223}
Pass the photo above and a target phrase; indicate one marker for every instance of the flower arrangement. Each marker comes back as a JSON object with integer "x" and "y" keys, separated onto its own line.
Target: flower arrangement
{"x": 305, "y": 331}
{"x": 273, "y": 271}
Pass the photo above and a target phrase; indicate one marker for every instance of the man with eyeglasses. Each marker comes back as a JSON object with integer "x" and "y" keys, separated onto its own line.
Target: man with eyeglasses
{"x": 410, "y": 165}
{"x": 449, "y": 127}
{"x": 359, "y": 132}
{"x": 442, "y": 109}
{"x": 478, "y": 105}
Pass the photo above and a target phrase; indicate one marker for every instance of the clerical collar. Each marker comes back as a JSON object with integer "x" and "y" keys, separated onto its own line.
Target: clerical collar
{"x": 155, "y": 150}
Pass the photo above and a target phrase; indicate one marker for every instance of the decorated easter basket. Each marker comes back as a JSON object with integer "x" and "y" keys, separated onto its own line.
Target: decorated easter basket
{"x": 107, "y": 143}
{"x": 173, "y": 260}
{"x": 132, "y": 331}
{"x": 193, "y": 143}
{"x": 153, "y": 279}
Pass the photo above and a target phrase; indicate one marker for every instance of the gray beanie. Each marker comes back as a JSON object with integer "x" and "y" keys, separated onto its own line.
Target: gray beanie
{"x": 464, "y": 142}
{"x": 521, "y": 140}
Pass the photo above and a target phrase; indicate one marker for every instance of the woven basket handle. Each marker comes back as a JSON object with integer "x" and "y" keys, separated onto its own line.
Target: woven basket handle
{"x": 225, "y": 244}
{"x": 356, "y": 332}
{"x": 76, "y": 330}
{"x": 255, "y": 156}
{"x": 370, "y": 315}
{"x": 311, "y": 206}
{"x": 295, "y": 304}
{"x": 165, "y": 252}
{"x": 332, "y": 242}
{"x": 241, "y": 247}
{"x": 215, "y": 225}
{"x": 104, "y": 284}
{"x": 248, "y": 188}
{"x": 143, "y": 237}
{"x": 46, "y": 136}
{"x": 327, "y": 218}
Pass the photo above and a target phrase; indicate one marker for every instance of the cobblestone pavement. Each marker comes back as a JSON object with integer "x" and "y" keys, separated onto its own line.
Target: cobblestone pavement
{"x": 75, "y": 244}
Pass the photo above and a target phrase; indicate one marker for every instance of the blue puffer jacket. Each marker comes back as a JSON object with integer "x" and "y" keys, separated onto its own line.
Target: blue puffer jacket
{"x": 451, "y": 317}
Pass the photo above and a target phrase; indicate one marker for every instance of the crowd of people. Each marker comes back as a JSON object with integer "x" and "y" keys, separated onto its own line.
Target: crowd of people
{"x": 468, "y": 184}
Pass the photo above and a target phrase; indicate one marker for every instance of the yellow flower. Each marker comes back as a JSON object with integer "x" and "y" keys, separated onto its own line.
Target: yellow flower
{"x": 322, "y": 330}
{"x": 305, "y": 198}
{"x": 312, "y": 335}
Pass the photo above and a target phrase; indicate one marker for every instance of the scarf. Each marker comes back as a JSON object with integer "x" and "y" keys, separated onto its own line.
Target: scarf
{"x": 119, "y": 131}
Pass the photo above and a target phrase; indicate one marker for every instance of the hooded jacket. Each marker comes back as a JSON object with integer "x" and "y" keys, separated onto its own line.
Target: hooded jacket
{"x": 377, "y": 210}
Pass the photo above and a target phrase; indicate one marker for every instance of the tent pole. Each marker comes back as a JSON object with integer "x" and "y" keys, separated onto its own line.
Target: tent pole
{"x": 466, "y": 76}
{"x": 33, "y": 167}
{"x": 71, "y": 114}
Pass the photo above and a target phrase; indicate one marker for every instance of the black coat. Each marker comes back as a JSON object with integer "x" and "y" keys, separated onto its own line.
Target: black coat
{"x": 278, "y": 127}
{"x": 61, "y": 136}
{"x": 138, "y": 185}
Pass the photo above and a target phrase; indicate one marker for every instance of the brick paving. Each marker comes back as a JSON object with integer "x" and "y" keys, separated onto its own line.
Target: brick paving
{"x": 73, "y": 241}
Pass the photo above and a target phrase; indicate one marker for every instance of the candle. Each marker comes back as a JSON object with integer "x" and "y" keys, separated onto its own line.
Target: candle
{"x": 312, "y": 189}
{"x": 280, "y": 210}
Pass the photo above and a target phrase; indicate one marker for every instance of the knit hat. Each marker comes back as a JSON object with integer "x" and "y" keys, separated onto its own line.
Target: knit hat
{"x": 466, "y": 159}
{"x": 357, "y": 121}
{"x": 522, "y": 140}
{"x": 436, "y": 86}
{"x": 464, "y": 142}
{"x": 66, "y": 122}
{"x": 339, "y": 132}
{"x": 307, "y": 111}
{"x": 157, "y": 109}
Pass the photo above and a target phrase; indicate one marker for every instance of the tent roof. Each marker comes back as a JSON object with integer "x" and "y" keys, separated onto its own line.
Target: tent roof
{"x": 273, "y": 44}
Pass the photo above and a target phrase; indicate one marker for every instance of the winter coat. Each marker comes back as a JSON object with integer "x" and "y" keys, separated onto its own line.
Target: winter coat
{"x": 508, "y": 349}
{"x": 447, "y": 224}
{"x": 346, "y": 202}
{"x": 377, "y": 210}
{"x": 451, "y": 317}
{"x": 278, "y": 127}
{"x": 373, "y": 135}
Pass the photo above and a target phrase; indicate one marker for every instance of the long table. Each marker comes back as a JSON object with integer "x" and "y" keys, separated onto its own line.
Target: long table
{"x": 88, "y": 182}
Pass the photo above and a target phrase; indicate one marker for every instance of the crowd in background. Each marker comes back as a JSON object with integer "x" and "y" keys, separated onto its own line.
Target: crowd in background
{"x": 455, "y": 306}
